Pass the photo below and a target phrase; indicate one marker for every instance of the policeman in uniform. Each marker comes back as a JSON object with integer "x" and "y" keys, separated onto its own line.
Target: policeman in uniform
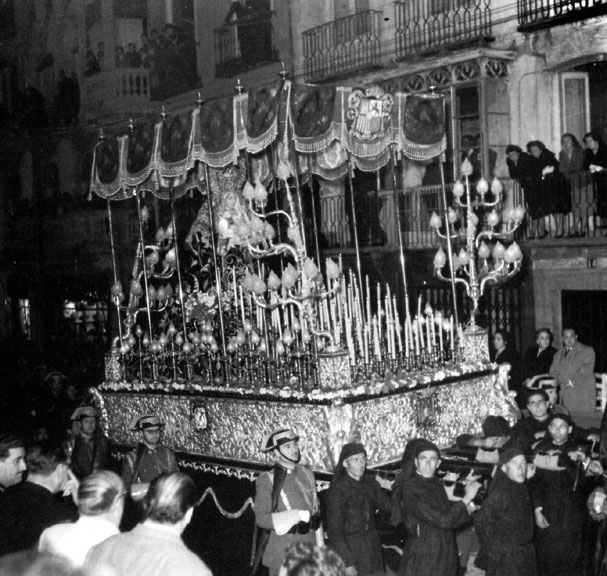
{"x": 149, "y": 459}
{"x": 286, "y": 503}
{"x": 90, "y": 447}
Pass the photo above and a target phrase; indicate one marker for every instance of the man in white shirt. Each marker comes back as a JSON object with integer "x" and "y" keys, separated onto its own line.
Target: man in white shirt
{"x": 100, "y": 505}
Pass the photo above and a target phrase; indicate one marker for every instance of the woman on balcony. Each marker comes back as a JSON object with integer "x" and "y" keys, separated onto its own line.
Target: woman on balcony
{"x": 549, "y": 191}
{"x": 595, "y": 162}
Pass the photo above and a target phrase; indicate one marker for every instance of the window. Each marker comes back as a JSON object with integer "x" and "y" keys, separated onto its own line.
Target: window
{"x": 575, "y": 103}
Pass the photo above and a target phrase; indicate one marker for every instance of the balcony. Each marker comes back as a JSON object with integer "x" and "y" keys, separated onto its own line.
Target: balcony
{"x": 426, "y": 27}
{"x": 343, "y": 46}
{"x": 234, "y": 55}
{"x": 377, "y": 228}
{"x": 538, "y": 14}
{"x": 121, "y": 89}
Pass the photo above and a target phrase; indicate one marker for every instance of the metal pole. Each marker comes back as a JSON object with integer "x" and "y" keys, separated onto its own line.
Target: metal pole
{"x": 449, "y": 245}
{"x": 144, "y": 265}
{"x": 218, "y": 282}
{"x": 113, "y": 250}
{"x": 401, "y": 244}
{"x": 355, "y": 226}
{"x": 176, "y": 248}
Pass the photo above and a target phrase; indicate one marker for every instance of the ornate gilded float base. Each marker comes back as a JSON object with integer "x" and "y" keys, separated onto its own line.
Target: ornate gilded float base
{"x": 231, "y": 428}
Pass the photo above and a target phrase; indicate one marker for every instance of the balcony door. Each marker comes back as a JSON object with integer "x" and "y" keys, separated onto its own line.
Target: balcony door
{"x": 575, "y": 103}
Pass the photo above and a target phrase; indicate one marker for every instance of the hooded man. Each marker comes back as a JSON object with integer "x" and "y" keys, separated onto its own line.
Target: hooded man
{"x": 429, "y": 517}
{"x": 352, "y": 501}
{"x": 505, "y": 522}
{"x": 286, "y": 503}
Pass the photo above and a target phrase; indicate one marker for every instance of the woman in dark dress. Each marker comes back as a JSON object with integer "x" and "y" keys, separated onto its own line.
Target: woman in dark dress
{"x": 559, "y": 500}
{"x": 503, "y": 352}
{"x": 429, "y": 517}
{"x": 549, "y": 190}
{"x": 538, "y": 358}
{"x": 595, "y": 161}
{"x": 352, "y": 501}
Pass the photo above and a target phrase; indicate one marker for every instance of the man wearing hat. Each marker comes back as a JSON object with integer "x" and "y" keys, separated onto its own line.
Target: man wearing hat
{"x": 286, "y": 503}
{"x": 149, "y": 459}
{"x": 429, "y": 517}
{"x": 505, "y": 523}
{"x": 352, "y": 502}
{"x": 90, "y": 447}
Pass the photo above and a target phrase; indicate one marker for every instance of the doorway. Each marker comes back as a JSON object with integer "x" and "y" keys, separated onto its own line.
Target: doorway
{"x": 586, "y": 311}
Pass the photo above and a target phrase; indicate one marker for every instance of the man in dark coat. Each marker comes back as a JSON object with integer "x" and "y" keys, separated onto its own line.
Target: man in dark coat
{"x": 90, "y": 448}
{"x": 430, "y": 518}
{"x": 504, "y": 524}
{"x": 32, "y": 506}
{"x": 352, "y": 501}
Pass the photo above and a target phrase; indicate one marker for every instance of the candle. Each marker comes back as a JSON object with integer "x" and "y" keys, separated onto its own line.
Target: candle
{"x": 379, "y": 309}
{"x": 368, "y": 300}
{"x": 398, "y": 327}
{"x": 366, "y": 344}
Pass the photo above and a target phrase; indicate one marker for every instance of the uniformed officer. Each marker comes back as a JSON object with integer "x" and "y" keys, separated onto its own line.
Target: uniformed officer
{"x": 149, "y": 459}
{"x": 286, "y": 503}
{"x": 89, "y": 447}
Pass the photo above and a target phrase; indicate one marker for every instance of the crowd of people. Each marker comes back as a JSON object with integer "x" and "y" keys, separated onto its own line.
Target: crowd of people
{"x": 63, "y": 498}
{"x": 547, "y": 182}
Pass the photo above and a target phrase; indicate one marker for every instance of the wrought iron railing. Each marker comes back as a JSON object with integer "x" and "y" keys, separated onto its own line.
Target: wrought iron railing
{"x": 535, "y": 14}
{"x": 426, "y": 26}
{"x": 342, "y": 46}
{"x": 376, "y": 224}
{"x": 229, "y": 57}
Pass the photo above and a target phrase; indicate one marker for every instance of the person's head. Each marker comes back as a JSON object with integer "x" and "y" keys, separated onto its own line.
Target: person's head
{"x": 427, "y": 458}
{"x": 71, "y": 390}
{"x": 284, "y": 446}
{"x": 559, "y": 428}
{"x": 33, "y": 563}
{"x": 169, "y": 30}
{"x": 12, "y": 460}
{"x": 86, "y": 416}
{"x": 101, "y": 494}
{"x": 150, "y": 427}
{"x": 170, "y": 499}
{"x": 569, "y": 141}
{"x": 513, "y": 152}
{"x": 535, "y": 148}
{"x": 46, "y": 465}
{"x": 119, "y": 51}
{"x": 55, "y": 382}
{"x": 592, "y": 141}
{"x": 569, "y": 337}
{"x": 537, "y": 404}
{"x": 514, "y": 465}
{"x": 495, "y": 426}
{"x": 501, "y": 339}
{"x": 40, "y": 434}
{"x": 467, "y": 142}
{"x": 131, "y": 47}
{"x": 352, "y": 460}
{"x": 306, "y": 559}
{"x": 543, "y": 337}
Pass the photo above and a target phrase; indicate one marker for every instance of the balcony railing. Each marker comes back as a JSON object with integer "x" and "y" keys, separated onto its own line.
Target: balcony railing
{"x": 537, "y": 14}
{"x": 254, "y": 48}
{"x": 376, "y": 224}
{"x": 427, "y": 26}
{"x": 342, "y": 46}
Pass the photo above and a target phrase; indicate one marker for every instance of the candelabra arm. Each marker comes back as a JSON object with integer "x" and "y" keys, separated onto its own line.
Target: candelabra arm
{"x": 274, "y": 251}
{"x": 273, "y": 213}
{"x": 444, "y": 236}
{"x": 438, "y": 273}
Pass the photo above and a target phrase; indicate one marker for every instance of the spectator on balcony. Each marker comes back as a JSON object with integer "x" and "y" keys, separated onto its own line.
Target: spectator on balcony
{"x": 504, "y": 352}
{"x": 132, "y": 57}
{"x": 146, "y": 52}
{"x": 571, "y": 156}
{"x": 519, "y": 167}
{"x": 471, "y": 152}
{"x": 595, "y": 162}
{"x": 119, "y": 59}
{"x": 549, "y": 192}
{"x": 91, "y": 64}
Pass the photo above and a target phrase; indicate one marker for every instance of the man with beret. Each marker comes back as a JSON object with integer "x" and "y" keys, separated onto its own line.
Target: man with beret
{"x": 90, "y": 447}
{"x": 353, "y": 499}
{"x": 149, "y": 459}
{"x": 429, "y": 517}
{"x": 286, "y": 503}
{"x": 505, "y": 523}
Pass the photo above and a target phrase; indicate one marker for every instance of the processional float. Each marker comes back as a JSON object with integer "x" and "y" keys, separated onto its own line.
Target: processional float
{"x": 233, "y": 329}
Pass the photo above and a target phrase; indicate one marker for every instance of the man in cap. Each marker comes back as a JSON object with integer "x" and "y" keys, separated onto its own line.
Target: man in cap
{"x": 286, "y": 503}
{"x": 429, "y": 517}
{"x": 90, "y": 447}
{"x": 505, "y": 523}
{"x": 149, "y": 459}
{"x": 352, "y": 502}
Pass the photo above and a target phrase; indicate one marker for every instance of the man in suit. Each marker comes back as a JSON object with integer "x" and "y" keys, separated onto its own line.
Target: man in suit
{"x": 573, "y": 368}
